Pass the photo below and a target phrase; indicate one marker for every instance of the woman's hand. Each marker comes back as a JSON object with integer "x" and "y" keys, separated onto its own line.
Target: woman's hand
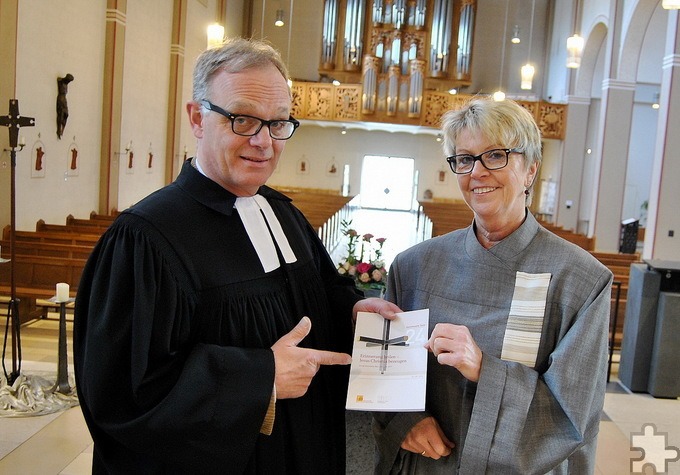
{"x": 453, "y": 345}
{"x": 427, "y": 439}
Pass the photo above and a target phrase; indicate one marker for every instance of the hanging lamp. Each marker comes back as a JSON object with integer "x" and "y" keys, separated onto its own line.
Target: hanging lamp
{"x": 527, "y": 72}
{"x": 499, "y": 95}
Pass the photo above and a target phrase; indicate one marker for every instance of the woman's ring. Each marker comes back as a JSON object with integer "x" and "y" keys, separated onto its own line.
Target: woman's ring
{"x": 423, "y": 453}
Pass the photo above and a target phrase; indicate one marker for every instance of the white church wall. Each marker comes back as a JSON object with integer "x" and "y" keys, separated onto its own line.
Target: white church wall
{"x": 53, "y": 39}
{"x": 350, "y": 149}
{"x": 200, "y": 15}
{"x": 145, "y": 99}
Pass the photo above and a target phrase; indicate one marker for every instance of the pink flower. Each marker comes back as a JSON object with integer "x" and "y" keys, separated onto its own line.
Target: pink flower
{"x": 363, "y": 267}
{"x": 368, "y": 237}
{"x": 376, "y": 275}
{"x": 381, "y": 240}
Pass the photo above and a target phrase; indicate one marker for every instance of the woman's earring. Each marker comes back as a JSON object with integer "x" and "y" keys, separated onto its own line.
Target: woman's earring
{"x": 526, "y": 191}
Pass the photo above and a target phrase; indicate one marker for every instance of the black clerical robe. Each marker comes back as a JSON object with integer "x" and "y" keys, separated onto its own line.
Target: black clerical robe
{"x": 174, "y": 323}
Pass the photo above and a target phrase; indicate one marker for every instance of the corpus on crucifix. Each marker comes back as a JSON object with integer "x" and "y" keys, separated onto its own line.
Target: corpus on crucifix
{"x": 62, "y": 104}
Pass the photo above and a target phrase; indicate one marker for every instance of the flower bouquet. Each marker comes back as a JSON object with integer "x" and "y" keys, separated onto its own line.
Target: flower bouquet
{"x": 363, "y": 261}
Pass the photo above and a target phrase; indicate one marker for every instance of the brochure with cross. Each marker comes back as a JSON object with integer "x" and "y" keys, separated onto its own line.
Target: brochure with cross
{"x": 389, "y": 362}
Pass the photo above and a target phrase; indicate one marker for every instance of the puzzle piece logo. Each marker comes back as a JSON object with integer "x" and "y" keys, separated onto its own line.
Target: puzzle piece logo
{"x": 654, "y": 452}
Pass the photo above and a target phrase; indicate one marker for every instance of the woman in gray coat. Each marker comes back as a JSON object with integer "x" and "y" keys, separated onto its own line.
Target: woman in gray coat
{"x": 518, "y": 317}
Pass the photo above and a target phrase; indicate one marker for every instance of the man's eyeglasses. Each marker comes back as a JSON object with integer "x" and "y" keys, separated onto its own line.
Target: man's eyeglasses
{"x": 247, "y": 125}
{"x": 491, "y": 159}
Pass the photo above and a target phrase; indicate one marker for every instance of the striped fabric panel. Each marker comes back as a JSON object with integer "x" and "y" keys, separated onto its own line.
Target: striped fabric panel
{"x": 525, "y": 322}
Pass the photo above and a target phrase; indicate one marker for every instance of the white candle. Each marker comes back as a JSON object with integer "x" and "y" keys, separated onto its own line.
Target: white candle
{"x": 62, "y": 292}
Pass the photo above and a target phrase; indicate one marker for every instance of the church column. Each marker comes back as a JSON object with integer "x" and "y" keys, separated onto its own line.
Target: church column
{"x": 222, "y": 12}
{"x": 173, "y": 155}
{"x": 614, "y": 133}
{"x": 8, "y": 52}
{"x": 573, "y": 154}
{"x": 614, "y": 124}
{"x": 112, "y": 105}
{"x": 662, "y": 235}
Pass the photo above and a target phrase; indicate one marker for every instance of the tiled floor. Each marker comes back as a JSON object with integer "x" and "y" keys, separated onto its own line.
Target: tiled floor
{"x": 60, "y": 444}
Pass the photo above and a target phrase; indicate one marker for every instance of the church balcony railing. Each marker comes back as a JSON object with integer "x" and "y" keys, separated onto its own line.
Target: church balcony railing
{"x": 327, "y": 102}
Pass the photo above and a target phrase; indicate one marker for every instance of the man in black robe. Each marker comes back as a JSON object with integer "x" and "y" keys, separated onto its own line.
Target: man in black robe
{"x": 212, "y": 329}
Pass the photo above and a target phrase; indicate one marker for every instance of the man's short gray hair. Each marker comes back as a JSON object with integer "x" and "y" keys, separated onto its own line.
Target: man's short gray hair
{"x": 235, "y": 55}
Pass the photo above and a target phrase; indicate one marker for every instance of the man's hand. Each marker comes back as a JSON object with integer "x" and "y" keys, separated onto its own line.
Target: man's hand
{"x": 295, "y": 367}
{"x": 376, "y": 305}
{"x": 427, "y": 439}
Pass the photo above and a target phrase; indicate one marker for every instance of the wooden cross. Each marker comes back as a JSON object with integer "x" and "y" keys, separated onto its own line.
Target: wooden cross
{"x": 13, "y": 120}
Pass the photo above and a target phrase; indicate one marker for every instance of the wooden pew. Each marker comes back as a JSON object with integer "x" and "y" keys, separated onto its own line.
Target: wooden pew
{"x": 324, "y": 209}
{"x": 36, "y": 278}
{"x": 48, "y": 249}
{"x": 446, "y": 216}
{"x": 100, "y": 224}
{"x": 89, "y": 228}
{"x": 55, "y": 237}
{"x": 581, "y": 240}
{"x": 616, "y": 258}
{"x": 51, "y": 254}
{"x": 619, "y": 264}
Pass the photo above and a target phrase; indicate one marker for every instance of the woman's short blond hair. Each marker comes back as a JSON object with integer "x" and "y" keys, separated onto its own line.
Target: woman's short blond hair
{"x": 505, "y": 123}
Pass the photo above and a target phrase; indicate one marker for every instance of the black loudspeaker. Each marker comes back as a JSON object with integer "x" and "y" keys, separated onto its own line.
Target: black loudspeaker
{"x": 629, "y": 232}
{"x": 638, "y": 327}
{"x": 664, "y": 372}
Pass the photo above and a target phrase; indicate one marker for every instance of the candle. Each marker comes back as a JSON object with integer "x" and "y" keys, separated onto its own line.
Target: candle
{"x": 22, "y": 141}
{"x": 62, "y": 292}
